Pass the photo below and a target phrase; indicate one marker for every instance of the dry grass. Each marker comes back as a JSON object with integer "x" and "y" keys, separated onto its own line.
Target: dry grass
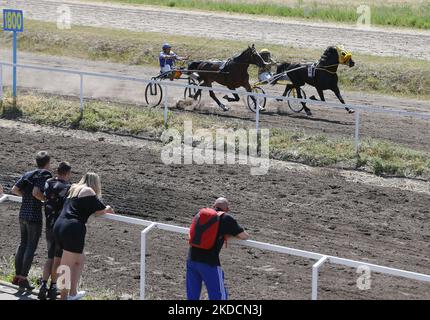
{"x": 377, "y": 156}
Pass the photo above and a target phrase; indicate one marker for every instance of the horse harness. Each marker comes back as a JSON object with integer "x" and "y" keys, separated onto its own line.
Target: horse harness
{"x": 316, "y": 66}
{"x": 311, "y": 69}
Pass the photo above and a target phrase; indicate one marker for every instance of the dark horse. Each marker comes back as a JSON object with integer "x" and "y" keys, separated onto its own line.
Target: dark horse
{"x": 322, "y": 75}
{"x": 232, "y": 73}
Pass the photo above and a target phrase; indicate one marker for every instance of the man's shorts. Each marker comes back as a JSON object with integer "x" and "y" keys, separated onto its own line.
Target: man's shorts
{"x": 54, "y": 250}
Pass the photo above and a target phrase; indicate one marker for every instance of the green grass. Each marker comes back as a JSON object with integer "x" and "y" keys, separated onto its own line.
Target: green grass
{"x": 379, "y": 157}
{"x": 398, "y": 15}
{"x": 387, "y": 75}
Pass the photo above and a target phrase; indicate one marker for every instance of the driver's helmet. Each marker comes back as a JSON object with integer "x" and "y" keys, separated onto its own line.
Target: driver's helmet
{"x": 166, "y": 46}
{"x": 265, "y": 54}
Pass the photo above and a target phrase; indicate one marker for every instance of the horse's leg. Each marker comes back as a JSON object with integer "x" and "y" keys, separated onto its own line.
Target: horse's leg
{"x": 199, "y": 91}
{"x": 196, "y": 95}
{"x": 235, "y": 95}
{"x": 287, "y": 88}
{"x": 299, "y": 96}
{"x": 214, "y": 97}
{"x": 320, "y": 93}
{"x": 339, "y": 96}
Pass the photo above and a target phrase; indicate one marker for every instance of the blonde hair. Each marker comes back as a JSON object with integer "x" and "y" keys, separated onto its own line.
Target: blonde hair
{"x": 91, "y": 180}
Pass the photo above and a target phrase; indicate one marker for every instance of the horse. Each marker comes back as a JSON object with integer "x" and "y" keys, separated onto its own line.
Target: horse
{"x": 322, "y": 75}
{"x": 232, "y": 74}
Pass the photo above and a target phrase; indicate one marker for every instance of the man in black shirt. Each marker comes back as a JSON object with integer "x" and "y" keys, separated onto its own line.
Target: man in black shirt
{"x": 204, "y": 265}
{"x": 30, "y": 187}
{"x": 56, "y": 190}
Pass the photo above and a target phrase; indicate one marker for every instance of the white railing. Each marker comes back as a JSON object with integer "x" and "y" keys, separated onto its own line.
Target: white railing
{"x": 321, "y": 258}
{"x": 359, "y": 108}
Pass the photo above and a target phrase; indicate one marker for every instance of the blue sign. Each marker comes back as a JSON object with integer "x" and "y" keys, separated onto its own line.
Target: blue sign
{"x": 13, "y": 20}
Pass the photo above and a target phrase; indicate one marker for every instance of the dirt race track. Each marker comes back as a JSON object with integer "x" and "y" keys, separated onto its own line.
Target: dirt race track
{"x": 316, "y": 210}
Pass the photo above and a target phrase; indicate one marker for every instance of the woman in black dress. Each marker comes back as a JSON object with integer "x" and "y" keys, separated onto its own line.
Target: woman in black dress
{"x": 82, "y": 201}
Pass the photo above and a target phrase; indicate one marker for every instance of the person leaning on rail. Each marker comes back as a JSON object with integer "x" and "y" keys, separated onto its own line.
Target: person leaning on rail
{"x": 83, "y": 200}
{"x": 30, "y": 187}
{"x": 210, "y": 228}
{"x": 56, "y": 190}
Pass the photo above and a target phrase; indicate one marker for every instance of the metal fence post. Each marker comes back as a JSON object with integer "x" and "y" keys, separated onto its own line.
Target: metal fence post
{"x": 315, "y": 268}
{"x": 166, "y": 106}
{"x": 14, "y": 73}
{"x": 81, "y": 94}
{"x": 1, "y": 83}
{"x": 357, "y": 132}
{"x": 257, "y": 114}
{"x": 143, "y": 259}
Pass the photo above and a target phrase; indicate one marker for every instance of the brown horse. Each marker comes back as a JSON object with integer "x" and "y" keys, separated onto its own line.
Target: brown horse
{"x": 232, "y": 74}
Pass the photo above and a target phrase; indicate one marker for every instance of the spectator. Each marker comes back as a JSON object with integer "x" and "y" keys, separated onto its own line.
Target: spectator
{"x": 83, "y": 200}
{"x": 30, "y": 187}
{"x": 56, "y": 190}
{"x": 1, "y": 189}
{"x": 209, "y": 230}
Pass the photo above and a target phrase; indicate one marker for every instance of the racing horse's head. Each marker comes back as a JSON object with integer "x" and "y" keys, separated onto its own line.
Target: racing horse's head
{"x": 337, "y": 55}
{"x": 250, "y": 56}
{"x": 345, "y": 56}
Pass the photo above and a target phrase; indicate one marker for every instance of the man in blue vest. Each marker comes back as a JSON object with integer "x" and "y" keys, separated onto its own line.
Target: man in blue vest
{"x": 167, "y": 58}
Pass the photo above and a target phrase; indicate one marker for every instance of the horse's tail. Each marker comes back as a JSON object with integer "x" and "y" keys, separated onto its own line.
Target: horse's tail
{"x": 193, "y": 66}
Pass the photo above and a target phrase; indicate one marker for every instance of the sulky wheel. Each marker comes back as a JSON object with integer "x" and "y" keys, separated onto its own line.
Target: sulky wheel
{"x": 294, "y": 105}
{"x": 153, "y": 94}
{"x": 261, "y": 101}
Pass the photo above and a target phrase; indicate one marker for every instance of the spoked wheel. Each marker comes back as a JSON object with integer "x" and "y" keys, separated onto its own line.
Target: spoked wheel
{"x": 260, "y": 101}
{"x": 153, "y": 94}
{"x": 189, "y": 93}
{"x": 294, "y": 105}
